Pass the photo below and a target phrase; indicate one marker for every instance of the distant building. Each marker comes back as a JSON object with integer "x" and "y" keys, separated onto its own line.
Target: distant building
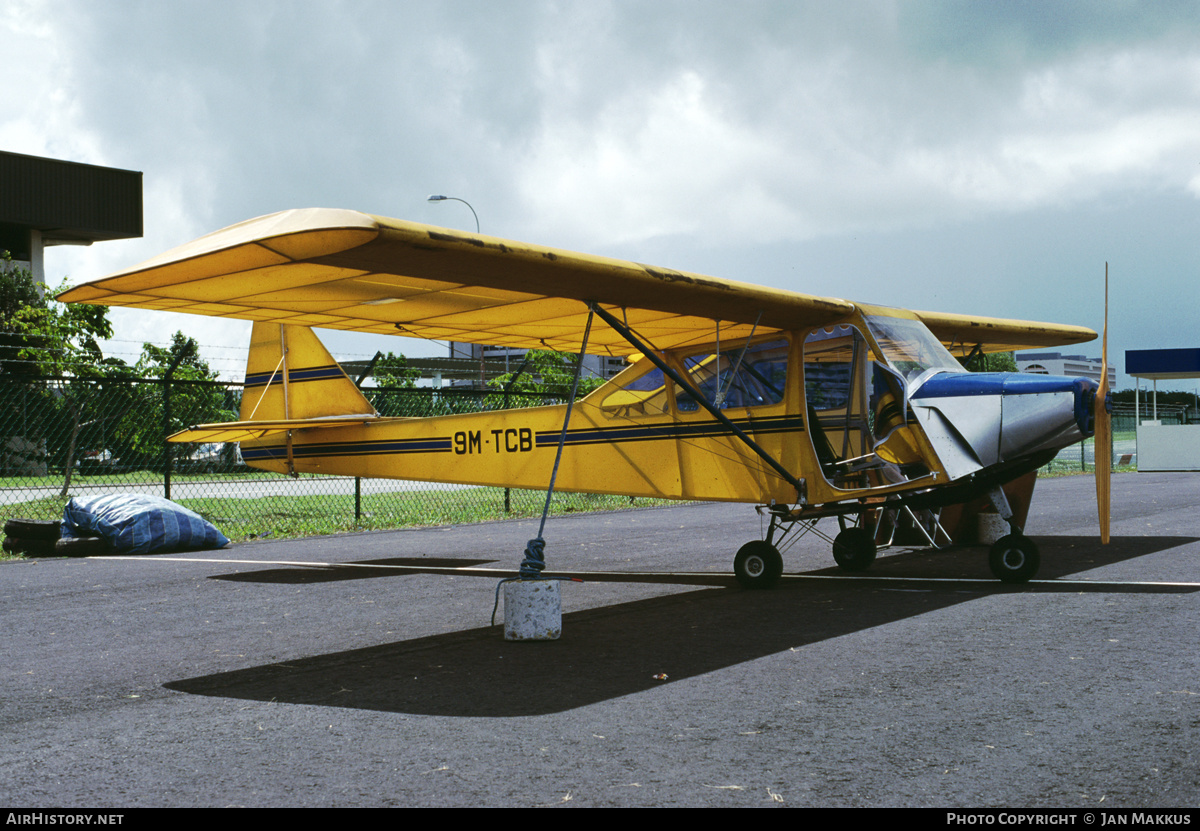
{"x": 594, "y": 366}
{"x": 50, "y": 202}
{"x": 1072, "y": 366}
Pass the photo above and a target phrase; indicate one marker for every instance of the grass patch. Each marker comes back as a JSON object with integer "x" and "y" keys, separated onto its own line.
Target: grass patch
{"x": 1058, "y": 471}
{"x": 288, "y": 516}
{"x": 302, "y": 516}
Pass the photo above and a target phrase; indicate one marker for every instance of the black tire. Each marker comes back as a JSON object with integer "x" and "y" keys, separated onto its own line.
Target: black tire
{"x": 33, "y": 529}
{"x": 758, "y": 565}
{"x": 854, "y": 549}
{"x": 82, "y": 547}
{"x": 1014, "y": 559}
{"x": 30, "y": 548}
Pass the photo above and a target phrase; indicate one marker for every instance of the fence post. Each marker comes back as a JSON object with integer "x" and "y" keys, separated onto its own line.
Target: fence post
{"x": 167, "y": 425}
{"x": 507, "y": 389}
{"x": 167, "y": 432}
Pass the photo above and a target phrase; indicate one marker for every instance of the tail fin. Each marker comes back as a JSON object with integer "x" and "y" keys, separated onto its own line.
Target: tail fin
{"x": 290, "y": 375}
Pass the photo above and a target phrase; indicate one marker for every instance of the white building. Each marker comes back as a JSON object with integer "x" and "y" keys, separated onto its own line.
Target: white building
{"x": 1072, "y": 366}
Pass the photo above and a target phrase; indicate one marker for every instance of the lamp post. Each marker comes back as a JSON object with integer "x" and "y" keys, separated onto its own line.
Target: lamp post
{"x": 437, "y": 197}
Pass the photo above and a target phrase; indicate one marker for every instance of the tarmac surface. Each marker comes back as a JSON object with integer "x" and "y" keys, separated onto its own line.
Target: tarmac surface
{"x": 254, "y": 676}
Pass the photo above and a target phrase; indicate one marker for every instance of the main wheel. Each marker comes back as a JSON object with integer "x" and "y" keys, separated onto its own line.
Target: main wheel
{"x": 758, "y": 565}
{"x": 1014, "y": 559}
{"x": 854, "y": 549}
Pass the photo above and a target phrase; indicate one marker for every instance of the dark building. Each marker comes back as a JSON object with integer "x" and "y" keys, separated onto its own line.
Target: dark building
{"x": 50, "y": 202}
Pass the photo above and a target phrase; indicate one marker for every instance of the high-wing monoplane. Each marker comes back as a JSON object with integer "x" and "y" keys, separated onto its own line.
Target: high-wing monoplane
{"x": 808, "y": 407}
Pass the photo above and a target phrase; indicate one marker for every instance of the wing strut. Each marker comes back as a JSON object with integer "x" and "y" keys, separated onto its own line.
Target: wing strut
{"x": 628, "y": 334}
{"x": 535, "y": 559}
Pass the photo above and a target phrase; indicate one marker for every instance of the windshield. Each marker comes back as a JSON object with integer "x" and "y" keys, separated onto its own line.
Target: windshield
{"x": 910, "y": 347}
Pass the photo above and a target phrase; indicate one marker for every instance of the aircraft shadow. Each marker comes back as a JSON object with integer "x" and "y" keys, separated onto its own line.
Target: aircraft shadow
{"x": 333, "y": 574}
{"x": 1061, "y": 556}
{"x": 607, "y": 652}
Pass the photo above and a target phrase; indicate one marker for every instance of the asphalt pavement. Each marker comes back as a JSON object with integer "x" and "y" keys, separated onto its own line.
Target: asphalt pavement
{"x": 362, "y": 670}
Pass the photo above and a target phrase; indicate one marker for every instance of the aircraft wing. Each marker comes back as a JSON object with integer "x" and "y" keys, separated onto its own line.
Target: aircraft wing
{"x": 341, "y": 269}
{"x": 962, "y": 333}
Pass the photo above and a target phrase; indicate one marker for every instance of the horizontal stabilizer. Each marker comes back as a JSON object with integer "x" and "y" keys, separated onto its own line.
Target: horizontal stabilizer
{"x": 250, "y": 430}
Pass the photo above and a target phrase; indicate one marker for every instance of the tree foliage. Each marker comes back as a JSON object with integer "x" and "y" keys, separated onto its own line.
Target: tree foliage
{"x": 543, "y": 374}
{"x": 91, "y": 392}
{"x": 18, "y": 290}
{"x": 993, "y": 362}
{"x": 80, "y": 407}
{"x": 392, "y": 370}
{"x": 170, "y": 407}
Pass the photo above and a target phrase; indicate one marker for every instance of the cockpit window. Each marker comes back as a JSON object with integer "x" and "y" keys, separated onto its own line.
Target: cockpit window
{"x": 732, "y": 379}
{"x": 909, "y": 346}
{"x": 642, "y": 394}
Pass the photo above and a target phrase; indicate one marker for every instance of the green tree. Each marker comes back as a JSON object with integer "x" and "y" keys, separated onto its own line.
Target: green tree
{"x": 90, "y": 391}
{"x": 543, "y": 374}
{"x": 18, "y": 290}
{"x": 993, "y": 362}
{"x": 392, "y": 370}
{"x": 25, "y": 406}
{"x": 185, "y": 398}
{"x": 393, "y": 380}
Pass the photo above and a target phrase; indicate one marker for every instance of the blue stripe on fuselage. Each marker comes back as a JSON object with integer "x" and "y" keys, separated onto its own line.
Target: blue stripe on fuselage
{"x": 548, "y": 438}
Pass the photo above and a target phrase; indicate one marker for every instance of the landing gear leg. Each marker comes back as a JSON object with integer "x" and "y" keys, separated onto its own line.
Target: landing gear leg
{"x": 1014, "y": 558}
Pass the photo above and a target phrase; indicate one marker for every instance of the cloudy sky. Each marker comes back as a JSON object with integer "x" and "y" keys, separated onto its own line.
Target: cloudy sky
{"x": 974, "y": 157}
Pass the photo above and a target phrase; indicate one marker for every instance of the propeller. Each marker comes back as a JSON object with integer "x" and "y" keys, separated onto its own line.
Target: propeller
{"x": 1103, "y": 432}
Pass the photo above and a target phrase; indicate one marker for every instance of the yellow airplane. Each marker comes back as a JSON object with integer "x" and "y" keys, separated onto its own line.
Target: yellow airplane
{"x": 806, "y": 406}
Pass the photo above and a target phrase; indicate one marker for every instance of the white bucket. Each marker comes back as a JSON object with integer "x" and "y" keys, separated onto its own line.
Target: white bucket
{"x": 991, "y": 528}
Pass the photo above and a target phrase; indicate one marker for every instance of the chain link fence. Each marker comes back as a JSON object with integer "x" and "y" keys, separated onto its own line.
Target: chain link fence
{"x": 66, "y": 437}
{"x": 63, "y": 437}
{"x": 1081, "y": 458}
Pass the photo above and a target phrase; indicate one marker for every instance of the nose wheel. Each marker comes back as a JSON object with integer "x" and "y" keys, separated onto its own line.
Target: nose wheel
{"x": 1014, "y": 559}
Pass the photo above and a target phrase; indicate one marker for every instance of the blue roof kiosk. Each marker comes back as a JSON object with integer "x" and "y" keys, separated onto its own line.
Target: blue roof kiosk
{"x": 1164, "y": 446}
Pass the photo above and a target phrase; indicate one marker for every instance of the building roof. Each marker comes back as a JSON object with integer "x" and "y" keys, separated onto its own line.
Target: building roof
{"x": 1162, "y": 363}
{"x": 69, "y": 201}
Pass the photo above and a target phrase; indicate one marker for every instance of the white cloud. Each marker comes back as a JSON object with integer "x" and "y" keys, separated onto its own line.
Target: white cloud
{"x": 609, "y": 126}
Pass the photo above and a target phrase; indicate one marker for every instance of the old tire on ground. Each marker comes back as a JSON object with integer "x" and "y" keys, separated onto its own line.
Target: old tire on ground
{"x": 30, "y": 548}
{"x": 33, "y": 529}
{"x": 82, "y": 547}
{"x": 758, "y": 565}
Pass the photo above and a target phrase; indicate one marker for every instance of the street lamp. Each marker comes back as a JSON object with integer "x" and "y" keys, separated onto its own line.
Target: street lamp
{"x": 437, "y": 197}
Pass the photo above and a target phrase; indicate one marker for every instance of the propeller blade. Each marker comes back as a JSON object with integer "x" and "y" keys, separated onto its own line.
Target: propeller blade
{"x": 1103, "y": 434}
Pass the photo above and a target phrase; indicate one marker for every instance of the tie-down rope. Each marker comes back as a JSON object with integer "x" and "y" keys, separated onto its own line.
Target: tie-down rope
{"x": 535, "y": 550}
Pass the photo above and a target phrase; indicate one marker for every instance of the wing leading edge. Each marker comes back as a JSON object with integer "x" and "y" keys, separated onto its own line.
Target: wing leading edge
{"x": 342, "y": 269}
{"x": 339, "y": 269}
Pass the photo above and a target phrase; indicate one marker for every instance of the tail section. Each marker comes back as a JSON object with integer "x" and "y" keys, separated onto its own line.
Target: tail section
{"x": 292, "y": 383}
{"x": 291, "y": 376}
